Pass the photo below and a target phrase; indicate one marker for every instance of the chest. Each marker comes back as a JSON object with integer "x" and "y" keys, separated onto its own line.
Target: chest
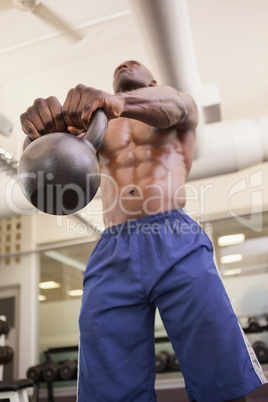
{"x": 127, "y": 134}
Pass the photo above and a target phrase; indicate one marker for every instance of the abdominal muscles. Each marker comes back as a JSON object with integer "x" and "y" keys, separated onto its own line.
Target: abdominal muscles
{"x": 142, "y": 181}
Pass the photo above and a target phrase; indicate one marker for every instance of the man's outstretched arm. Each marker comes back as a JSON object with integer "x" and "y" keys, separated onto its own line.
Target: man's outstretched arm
{"x": 160, "y": 107}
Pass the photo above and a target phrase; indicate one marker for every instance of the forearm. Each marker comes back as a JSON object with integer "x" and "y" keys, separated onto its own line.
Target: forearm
{"x": 161, "y": 107}
{"x": 158, "y": 106}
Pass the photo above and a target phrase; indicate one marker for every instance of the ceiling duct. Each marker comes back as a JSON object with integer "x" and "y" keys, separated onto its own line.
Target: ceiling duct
{"x": 222, "y": 147}
{"x": 166, "y": 30}
{"x": 232, "y": 146}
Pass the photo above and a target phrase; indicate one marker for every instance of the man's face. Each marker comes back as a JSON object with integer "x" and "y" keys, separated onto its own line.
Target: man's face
{"x": 132, "y": 75}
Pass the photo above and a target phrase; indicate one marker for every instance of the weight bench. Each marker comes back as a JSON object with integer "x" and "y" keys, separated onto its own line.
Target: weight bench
{"x": 15, "y": 390}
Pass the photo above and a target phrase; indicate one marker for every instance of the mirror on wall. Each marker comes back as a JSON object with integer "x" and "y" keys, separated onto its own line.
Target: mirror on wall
{"x": 60, "y": 292}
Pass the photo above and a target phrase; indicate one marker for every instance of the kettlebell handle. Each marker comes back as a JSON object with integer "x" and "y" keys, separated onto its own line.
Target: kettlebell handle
{"x": 95, "y": 133}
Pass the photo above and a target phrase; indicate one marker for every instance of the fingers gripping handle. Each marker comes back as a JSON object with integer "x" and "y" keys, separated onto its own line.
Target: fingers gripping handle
{"x": 96, "y": 131}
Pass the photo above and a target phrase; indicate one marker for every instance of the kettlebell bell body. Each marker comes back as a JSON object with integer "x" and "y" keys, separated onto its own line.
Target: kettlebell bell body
{"x": 59, "y": 173}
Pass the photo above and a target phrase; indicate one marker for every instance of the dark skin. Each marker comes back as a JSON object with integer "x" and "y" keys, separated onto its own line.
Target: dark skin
{"x": 149, "y": 147}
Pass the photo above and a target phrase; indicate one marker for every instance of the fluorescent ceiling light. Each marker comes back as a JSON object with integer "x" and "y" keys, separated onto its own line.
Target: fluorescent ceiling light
{"x": 229, "y": 240}
{"x": 228, "y": 259}
{"x": 49, "y": 285}
{"x": 41, "y": 297}
{"x": 75, "y": 292}
{"x": 230, "y": 272}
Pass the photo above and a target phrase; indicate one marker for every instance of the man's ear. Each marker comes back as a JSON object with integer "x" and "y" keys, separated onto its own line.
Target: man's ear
{"x": 153, "y": 83}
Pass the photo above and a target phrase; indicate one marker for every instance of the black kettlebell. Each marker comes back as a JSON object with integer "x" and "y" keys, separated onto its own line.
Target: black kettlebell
{"x": 59, "y": 173}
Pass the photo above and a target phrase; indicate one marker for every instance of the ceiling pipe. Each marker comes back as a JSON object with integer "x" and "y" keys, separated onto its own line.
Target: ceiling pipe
{"x": 166, "y": 30}
{"x": 232, "y": 146}
{"x": 222, "y": 147}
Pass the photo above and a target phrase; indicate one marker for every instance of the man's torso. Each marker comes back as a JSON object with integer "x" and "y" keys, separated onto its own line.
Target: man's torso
{"x": 143, "y": 169}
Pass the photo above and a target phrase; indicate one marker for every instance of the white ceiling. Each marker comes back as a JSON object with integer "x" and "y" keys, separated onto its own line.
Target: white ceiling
{"x": 37, "y": 60}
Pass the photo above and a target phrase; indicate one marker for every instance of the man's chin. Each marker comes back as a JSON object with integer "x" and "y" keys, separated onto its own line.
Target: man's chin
{"x": 128, "y": 86}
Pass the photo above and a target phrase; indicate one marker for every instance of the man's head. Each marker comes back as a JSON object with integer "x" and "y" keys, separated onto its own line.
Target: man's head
{"x": 132, "y": 75}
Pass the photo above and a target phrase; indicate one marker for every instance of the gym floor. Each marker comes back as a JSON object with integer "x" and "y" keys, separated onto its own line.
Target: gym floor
{"x": 169, "y": 388}
{"x": 179, "y": 395}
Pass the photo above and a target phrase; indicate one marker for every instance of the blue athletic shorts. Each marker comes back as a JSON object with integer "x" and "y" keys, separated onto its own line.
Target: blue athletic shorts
{"x": 165, "y": 261}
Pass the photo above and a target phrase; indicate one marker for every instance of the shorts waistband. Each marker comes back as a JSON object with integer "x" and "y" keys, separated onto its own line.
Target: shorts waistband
{"x": 131, "y": 226}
